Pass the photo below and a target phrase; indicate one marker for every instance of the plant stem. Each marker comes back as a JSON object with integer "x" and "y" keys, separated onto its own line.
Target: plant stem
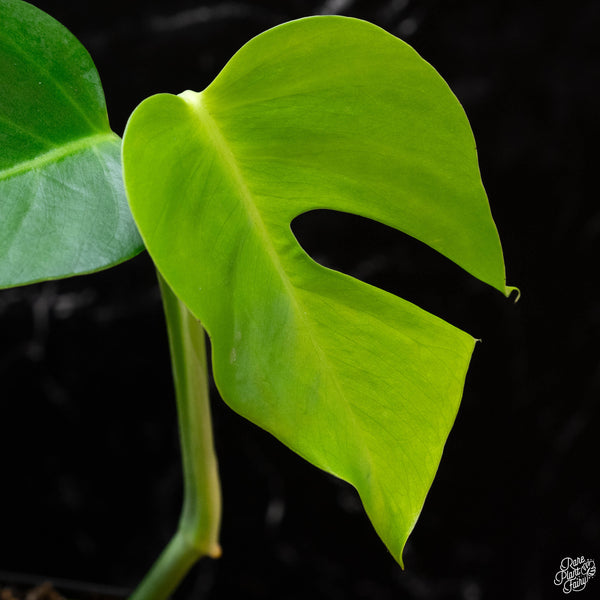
{"x": 197, "y": 534}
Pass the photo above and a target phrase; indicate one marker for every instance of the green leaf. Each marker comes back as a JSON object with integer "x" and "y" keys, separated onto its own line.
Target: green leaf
{"x": 63, "y": 209}
{"x": 323, "y": 112}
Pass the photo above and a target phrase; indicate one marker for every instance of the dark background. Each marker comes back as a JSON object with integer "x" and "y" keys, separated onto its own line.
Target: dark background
{"x": 89, "y": 465}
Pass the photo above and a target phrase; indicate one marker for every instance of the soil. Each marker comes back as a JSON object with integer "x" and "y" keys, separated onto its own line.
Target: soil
{"x": 46, "y": 591}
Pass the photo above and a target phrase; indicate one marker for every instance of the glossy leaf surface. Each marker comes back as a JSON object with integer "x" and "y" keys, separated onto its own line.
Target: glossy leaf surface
{"x": 63, "y": 208}
{"x": 324, "y": 112}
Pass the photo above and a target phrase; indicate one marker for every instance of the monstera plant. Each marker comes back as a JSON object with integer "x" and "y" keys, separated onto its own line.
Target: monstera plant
{"x": 319, "y": 113}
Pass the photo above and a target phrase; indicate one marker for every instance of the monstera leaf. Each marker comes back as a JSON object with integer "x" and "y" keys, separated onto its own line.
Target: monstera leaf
{"x": 63, "y": 208}
{"x": 323, "y": 112}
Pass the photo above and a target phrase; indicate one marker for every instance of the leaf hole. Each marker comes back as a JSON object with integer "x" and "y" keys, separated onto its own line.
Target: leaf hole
{"x": 393, "y": 261}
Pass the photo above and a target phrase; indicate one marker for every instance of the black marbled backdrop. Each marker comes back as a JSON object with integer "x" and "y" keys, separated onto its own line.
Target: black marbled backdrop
{"x": 89, "y": 466}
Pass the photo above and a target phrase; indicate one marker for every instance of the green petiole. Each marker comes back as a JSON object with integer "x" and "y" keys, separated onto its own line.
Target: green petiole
{"x": 198, "y": 531}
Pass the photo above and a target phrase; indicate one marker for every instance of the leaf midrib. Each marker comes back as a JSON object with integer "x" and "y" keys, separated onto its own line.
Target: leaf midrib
{"x": 57, "y": 154}
{"x": 194, "y": 100}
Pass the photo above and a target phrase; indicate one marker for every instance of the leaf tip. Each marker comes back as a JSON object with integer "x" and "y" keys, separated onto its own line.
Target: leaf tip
{"x": 509, "y": 291}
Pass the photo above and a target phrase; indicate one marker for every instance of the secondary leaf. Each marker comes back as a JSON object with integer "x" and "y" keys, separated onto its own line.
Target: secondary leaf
{"x": 63, "y": 208}
{"x": 324, "y": 112}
